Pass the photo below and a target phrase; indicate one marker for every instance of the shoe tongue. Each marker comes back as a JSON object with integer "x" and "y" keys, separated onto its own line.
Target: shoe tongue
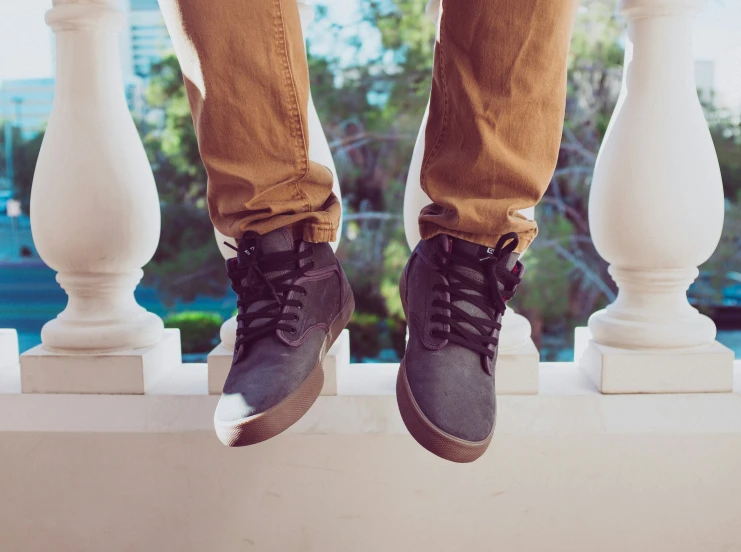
{"x": 483, "y": 254}
{"x": 277, "y": 241}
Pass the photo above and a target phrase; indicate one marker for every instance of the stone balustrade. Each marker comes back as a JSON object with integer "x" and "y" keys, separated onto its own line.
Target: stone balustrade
{"x": 656, "y": 212}
{"x": 95, "y": 219}
{"x": 570, "y": 468}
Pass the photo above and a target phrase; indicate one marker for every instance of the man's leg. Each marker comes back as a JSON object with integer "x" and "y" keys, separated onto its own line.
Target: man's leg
{"x": 491, "y": 144}
{"x": 247, "y": 81}
{"x": 496, "y": 115}
{"x": 248, "y": 85}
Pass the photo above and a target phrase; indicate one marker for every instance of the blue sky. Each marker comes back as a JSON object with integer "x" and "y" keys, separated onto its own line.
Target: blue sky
{"x": 26, "y": 47}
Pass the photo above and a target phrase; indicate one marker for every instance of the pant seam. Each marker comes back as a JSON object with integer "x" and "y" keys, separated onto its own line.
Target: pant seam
{"x": 294, "y": 110}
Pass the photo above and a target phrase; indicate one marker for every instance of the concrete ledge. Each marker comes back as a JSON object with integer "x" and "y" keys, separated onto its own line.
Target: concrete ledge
{"x": 126, "y": 372}
{"x": 568, "y": 469}
{"x": 568, "y": 403}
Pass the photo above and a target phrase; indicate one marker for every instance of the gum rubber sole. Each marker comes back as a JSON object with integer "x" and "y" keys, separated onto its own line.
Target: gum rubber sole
{"x": 276, "y": 419}
{"x": 428, "y": 435}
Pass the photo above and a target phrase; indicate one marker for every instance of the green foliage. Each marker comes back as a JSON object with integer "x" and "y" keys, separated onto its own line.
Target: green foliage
{"x": 365, "y": 338}
{"x": 371, "y": 333}
{"x": 595, "y": 66}
{"x": 548, "y": 275}
{"x": 717, "y": 272}
{"x": 187, "y": 262}
{"x": 172, "y": 147}
{"x": 407, "y": 38}
{"x": 723, "y": 264}
{"x": 371, "y": 107}
{"x": 371, "y": 104}
{"x": 199, "y": 331}
{"x": 371, "y": 111}
{"x": 725, "y": 130}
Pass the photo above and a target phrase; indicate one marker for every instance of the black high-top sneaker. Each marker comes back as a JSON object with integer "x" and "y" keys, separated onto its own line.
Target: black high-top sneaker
{"x": 294, "y": 300}
{"x": 454, "y": 294}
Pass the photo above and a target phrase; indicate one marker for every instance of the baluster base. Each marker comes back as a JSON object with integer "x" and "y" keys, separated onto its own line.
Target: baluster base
{"x": 517, "y": 370}
{"x": 128, "y": 372}
{"x": 652, "y": 312}
{"x": 101, "y": 316}
{"x": 518, "y": 361}
{"x": 220, "y": 362}
{"x": 703, "y": 369}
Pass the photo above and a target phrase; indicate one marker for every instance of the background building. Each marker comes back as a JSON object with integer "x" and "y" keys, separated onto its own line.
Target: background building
{"x": 27, "y": 103}
{"x": 145, "y": 39}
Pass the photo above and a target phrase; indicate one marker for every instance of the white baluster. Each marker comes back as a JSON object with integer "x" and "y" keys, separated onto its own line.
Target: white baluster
{"x": 656, "y": 213}
{"x": 518, "y": 362}
{"x": 318, "y": 146}
{"x": 219, "y": 360}
{"x": 95, "y": 219}
{"x": 414, "y": 196}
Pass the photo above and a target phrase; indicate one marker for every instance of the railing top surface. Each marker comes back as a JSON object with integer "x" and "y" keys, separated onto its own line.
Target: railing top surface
{"x": 567, "y": 404}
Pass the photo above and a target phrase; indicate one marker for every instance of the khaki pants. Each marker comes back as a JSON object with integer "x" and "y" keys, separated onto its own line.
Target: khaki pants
{"x": 492, "y": 138}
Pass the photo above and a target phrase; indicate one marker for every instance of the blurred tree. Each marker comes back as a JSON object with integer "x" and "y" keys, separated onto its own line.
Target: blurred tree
{"x": 187, "y": 262}
{"x": 722, "y": 271}
{"x": 199, "y": 331}
{"x": 725, "y": 129}
{"x": 371, "y": 109}
{"x": 371, "y": 101}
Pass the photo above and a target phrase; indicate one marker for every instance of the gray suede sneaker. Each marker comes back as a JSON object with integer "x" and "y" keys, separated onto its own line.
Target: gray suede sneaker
{"x": 294, "y": 300}
{"x": 454, "y": 295}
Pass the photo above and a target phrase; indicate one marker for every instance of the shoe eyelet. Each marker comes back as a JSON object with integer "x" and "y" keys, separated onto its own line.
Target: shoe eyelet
{"x": 296, "y": 317}
{"x": 300, "y": 306}
{"x": 292, "y": 331}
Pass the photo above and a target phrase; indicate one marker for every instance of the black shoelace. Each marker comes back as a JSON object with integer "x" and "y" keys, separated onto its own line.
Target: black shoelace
{"x": 248, "y": 274}
{"x": 487, "y": 297}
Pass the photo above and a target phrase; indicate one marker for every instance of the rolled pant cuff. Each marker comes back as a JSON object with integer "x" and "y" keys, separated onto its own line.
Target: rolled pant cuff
{"x": 315, "y": 231}
{"x": 489, "y": 240}
{"x": 319, "y": 233}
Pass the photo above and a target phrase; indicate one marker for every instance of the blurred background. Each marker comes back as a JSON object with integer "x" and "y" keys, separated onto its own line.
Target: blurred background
{"x": 370, "y": 64}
